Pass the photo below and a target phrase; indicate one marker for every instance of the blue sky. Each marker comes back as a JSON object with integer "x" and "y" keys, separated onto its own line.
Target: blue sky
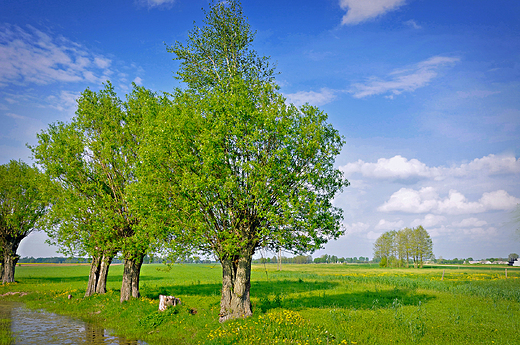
{"x": 426, "y": 94}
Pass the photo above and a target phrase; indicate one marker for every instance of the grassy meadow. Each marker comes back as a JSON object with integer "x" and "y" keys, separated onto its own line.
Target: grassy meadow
{"x": 301, "y": 304}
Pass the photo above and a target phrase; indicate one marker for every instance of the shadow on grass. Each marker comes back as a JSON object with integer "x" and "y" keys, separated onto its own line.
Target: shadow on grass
{"x": 261, "y": 289}
{"x": 358, "y": 300}
{"x": 81, "y": 278}
{"x": 270, "y": 295}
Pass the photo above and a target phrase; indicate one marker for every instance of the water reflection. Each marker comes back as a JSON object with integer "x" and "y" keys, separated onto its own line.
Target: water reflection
{"x": 40, "y": 327}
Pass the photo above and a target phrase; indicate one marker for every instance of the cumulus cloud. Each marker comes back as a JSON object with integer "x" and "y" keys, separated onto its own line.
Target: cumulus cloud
{"x": 32, "y": 56}
{"x": 358, "y": 227}
{"x": 428, "y": 221}
{"x": 361, "y": 10}
{"x": 492, "y": 164}
{"x": 403, "y": 80}
{"x": 395, "y": 167}
{"x": 388, "y": 225}
{"x": 469, "y": 222}
{"x": 426, "y": 200}
{"x": 322, "y": 97}
{"x": 399, "y": 167}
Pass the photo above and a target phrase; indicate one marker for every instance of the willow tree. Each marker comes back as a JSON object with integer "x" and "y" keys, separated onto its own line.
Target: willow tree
{"x": 91, "y": 163}
{"x": 21, "y": 207}
{"x": 232, "y": 168}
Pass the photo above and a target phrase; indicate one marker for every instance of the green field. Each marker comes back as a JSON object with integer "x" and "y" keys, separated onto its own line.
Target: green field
{"x": 302, "y": 304}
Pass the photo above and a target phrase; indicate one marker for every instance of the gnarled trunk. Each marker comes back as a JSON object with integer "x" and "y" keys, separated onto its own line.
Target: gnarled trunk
{"x": 10, "y": 258}
{"x": 236, "y": 283}
{"x": 93, "y": 276}
{"x": 106, "y": 260}
{"x": 132, "y": 269}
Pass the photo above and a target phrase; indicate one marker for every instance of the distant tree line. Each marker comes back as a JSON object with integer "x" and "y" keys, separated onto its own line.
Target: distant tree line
{"x": 400, "y": 248}
{"x": 307, "y": 259}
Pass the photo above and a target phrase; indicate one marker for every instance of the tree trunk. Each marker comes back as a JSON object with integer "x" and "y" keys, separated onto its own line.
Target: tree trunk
{"x": 93, "y": 276}
{"x": 101, "y": 286}
{"x": 130, "y": 286}
{"x": 236, "y": 283}
{"x": 9, "y": 259}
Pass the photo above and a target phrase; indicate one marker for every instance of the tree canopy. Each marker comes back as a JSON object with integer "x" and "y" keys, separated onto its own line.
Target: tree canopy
{"x": 396, "y": 248}
{"x": 21, "y": 207}
{"x": 90, "y": 163}
{"x": 229, "y": 167}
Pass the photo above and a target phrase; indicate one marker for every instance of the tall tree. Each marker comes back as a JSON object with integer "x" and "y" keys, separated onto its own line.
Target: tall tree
{"x": 403, "y": 246}
{"x": 422, "y": 246}
{"x": 91, "y": 163}
{"x": 232, "y": 166}
{"x": 21, "y": 207}
{"x": 384, "y": 247}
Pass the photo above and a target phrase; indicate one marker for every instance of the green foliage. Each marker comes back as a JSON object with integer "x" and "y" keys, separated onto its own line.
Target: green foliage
{"x": 397, "y": 247}
{"x": 220, "y": 51}
{"x": 90, "y": 164}
{"x": 21, "y": 204}
{"x": 229, "y": 160}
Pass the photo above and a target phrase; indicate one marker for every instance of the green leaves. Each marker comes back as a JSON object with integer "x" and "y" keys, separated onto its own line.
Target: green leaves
{"x": 21, "y": 203}
{"x": 91, "y": 164}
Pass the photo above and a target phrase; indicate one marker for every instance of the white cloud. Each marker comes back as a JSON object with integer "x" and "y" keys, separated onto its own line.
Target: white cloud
{"x": 491, "y": 164}
{"x": 404, "y": 80}
{"x": 469, "y": 222}
{"x": 388, "y": 225}
{"x": 102, "y": 62}
{"x": 361, "y": 10}
{"x": 499, "y": 200}
{"x": 457, "y": 203}
{"x": 138, "y": 81}
{"x": 32, "y": 56}
{"x": 395, "y": 167}
{"x": 399, "y": 167}
{"x": 155, "y": 3}
{"x": 65, "y": 101}
{"x": 411, "y": 201}
{"x": 358, "y": 227}
{"x": 428, "y": 221}
{"x": 427, "y": 200}
{"x": 313, "y": 98}
{"x": 411, "y": 23}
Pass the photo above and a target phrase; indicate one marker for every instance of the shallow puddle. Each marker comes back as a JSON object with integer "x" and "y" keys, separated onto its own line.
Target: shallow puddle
{"x": 40, "y": 327}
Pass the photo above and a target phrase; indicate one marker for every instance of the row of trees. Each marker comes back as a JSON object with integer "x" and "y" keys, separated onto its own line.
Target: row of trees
{"x": 222, "y": 167}
{"x": 307, "y": 259}
{"x": 397, "y": 248}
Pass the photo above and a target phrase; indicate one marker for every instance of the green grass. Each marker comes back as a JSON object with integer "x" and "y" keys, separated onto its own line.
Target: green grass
{"x": 302, "y": 304}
